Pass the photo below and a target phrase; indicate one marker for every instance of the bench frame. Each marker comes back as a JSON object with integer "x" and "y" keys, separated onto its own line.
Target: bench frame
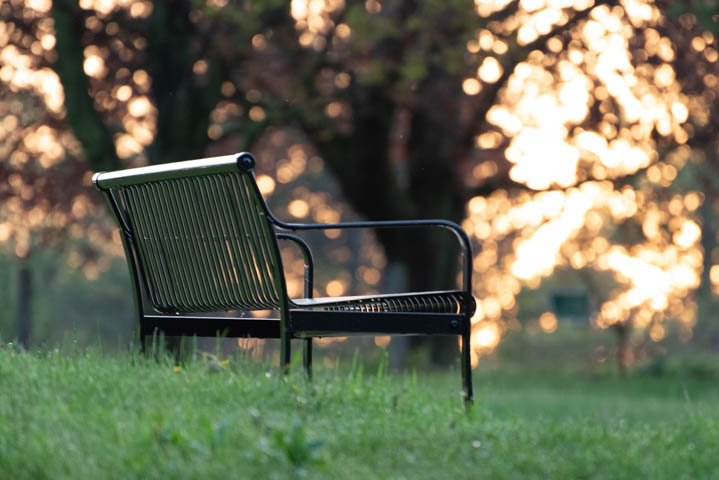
{"x": 295, "y": 322}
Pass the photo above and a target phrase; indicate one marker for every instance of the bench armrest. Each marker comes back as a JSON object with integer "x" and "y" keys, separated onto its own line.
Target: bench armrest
{"x": 458, "y": 231}
{"x": 309, "y": 260}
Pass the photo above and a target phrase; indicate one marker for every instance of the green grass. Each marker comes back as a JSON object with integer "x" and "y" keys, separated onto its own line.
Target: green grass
{"x": 89, "y": 416}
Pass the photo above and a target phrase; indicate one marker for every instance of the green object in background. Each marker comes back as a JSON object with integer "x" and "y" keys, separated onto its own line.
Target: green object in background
{"x": 571, "y": 304}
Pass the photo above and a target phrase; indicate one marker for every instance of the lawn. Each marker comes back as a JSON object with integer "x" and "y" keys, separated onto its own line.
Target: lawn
{"x": 94, "y": 416}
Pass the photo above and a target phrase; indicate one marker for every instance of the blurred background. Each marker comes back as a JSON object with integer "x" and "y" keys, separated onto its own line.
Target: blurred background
{"x": 575, "y": 141}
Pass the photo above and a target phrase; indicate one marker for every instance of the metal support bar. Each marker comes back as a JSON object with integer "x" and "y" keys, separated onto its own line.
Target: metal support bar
{"x": 467, "y": 363}
{"x": 309, "y": 280}
{"x": 325, "y": 323}
{"x": 214, "y": 326}
{"x": 459, "y": 232}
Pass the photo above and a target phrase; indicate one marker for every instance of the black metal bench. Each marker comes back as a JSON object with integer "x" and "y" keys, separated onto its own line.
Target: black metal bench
{"x": 199, "y": 238}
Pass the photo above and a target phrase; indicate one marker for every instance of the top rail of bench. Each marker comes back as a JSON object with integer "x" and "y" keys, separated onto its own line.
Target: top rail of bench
{"x": 167, "y": 171}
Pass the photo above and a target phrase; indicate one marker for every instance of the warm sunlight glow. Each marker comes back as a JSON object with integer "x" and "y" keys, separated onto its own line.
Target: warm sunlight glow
{"x": 94, "y": 66}
{"x": 123, "y": 93}
{"x": 298, "y": 208}
{"x": 471, "y": 86}
{"x": 336, "y": 288}
{"x": 657, "y": 332}
{"x": 139, "y": 106}
{"x": 313, "y": 20}
{"x": 490, "y": 71}
{"x": 487, "y": 336}
{"x": 548, "y": 322}
{"x": 266, "y": 184}
{"x": 257, "y": 114}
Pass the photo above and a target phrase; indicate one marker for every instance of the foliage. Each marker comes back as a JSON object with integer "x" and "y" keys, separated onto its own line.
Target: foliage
{"x": 706, "y": 12}
{"x": 573, "y": 136}
{"x": 85, "y": 415}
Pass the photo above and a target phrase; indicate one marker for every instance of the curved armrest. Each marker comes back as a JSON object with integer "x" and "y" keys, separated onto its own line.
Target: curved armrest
{"x": 459, "y": 232}
{"x": 309, "y": 261}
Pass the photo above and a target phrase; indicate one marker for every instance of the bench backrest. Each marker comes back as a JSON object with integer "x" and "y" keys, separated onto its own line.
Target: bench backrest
{"x": 200, "y": 232}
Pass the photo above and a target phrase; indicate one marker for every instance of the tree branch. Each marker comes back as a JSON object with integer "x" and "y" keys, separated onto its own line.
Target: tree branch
{"x": 85, "y": 121}
{"x": 506, "y": 183}
{"x": 519, "y": 53}
{"x": 509, "y": 10}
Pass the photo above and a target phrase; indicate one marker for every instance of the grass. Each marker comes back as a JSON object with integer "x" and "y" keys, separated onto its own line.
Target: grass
{"x": 91, "y": 416}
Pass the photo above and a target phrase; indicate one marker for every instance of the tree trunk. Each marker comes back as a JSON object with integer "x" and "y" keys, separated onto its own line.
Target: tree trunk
{"x": 86, "y": 123}
{"x": 622, "y": 331}
{"x": 436, "y": 191}
{"x": 184, "y": 100}
{"x": 361, "y": 163}
{"x": 706, "y": 331}
{"x": 24, "y": 303}
{"x": 395, "y": 278}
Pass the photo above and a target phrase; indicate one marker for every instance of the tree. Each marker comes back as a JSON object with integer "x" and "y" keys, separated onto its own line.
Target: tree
{"x": 415, "y": 79}
{"x": 43, "y": 177}
{"x": 694, "y": 27}
{"x": 555, "y": 134}
{"x": 349, "y": 97}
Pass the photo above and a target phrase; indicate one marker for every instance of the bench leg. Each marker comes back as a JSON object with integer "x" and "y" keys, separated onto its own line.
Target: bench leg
{"x": 308, "y": 356}
{"x": 143, "y": 337}
{"x": 467, "y": 366}
{"x": 285, "y": 353}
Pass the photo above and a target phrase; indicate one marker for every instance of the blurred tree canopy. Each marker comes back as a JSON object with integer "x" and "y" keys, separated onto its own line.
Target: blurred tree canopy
{"x": 562, "y": 135}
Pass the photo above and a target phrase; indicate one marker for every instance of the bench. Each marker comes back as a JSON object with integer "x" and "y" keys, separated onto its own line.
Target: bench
{"x": 199, "y": 239}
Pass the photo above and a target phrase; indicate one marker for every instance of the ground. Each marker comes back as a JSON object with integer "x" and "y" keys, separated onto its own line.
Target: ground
{"x": 88, "y": 415}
